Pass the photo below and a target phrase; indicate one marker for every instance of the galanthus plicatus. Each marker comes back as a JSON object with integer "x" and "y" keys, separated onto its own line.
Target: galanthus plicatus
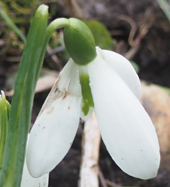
{"x": 104, "y": 82}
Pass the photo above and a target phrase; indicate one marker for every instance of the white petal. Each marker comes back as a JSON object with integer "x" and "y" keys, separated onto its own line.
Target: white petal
{"x": 29, "y": 181}
{"x": 66, "y": 83}
{"x": 56, "y": 126}
{"x": 126, "y": 129}
{"x": 123, "y": 68}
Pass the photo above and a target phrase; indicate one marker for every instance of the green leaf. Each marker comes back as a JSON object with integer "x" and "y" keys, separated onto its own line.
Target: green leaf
{"x": 9, "y": 22}
{"x": 22, "y": 101}
{"x": 101, "y": 35}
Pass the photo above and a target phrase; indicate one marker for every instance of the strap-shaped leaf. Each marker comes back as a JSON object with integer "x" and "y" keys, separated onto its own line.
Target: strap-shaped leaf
{"x": 21, "y": 106}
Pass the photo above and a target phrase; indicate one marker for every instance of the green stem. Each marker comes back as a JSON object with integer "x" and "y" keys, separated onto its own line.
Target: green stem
{"x": 58, "y": 23}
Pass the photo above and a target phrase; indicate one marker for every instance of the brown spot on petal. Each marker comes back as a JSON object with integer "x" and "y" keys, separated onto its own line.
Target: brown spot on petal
{"x": 56, "y": 90}
{"x": 50, "y": 110}
{"x": 65, "y": 95}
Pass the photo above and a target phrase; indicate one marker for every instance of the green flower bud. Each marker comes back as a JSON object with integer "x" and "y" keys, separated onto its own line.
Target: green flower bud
{"x": 79, "y": 42}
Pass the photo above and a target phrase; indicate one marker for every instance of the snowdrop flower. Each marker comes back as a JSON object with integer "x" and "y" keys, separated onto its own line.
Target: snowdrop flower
{"x": 29, "y": 181}
{"x": 104, "y": 82}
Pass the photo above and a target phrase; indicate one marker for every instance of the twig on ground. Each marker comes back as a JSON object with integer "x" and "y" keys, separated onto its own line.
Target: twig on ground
{"x": 133, "y": 41}
{"x": 54, "y": 58}
{"x": 73, "y": 8}
{"x": 112, "y": 184}
{"x": 102, "y": 179}
{"x": 90, "y": 154}
{"x": 136, "y": 43}
{"x": 133, "y": 29}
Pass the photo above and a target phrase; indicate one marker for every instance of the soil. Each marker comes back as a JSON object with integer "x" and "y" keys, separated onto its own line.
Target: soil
{"x": 152, "y": 56}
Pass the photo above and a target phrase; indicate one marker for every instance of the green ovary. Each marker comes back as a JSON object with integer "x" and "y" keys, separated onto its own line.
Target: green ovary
{"x": 86, "y": 93}
{"x": 79, "y": 42}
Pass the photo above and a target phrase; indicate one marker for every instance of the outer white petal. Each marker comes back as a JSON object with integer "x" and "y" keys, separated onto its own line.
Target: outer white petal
{"x": 126, "y": 129}
{"x": 56, "y": 126}
{"x": 29, "y": 181}
{"x": 123, "y": 68}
